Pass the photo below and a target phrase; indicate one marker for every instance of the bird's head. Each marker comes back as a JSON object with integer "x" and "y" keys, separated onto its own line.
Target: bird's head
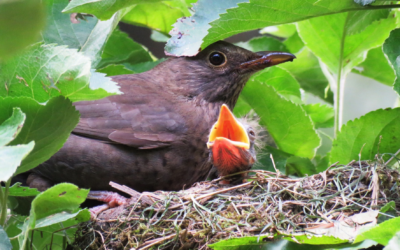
{"x": 231, "y": 143}
{"x": 219, "y": 72}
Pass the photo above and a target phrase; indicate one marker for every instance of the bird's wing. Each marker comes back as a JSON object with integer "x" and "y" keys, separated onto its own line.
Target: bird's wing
{"x": 143, "y": 117}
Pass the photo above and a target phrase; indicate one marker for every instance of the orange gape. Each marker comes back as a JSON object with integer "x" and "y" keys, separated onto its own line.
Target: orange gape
{"x": 229, "y": 141}
{"x": 228, "y": 158}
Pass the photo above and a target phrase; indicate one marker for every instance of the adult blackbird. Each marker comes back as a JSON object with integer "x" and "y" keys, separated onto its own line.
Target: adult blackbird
{"x": 153, "y": 136}
{"x": 232, "y": 145}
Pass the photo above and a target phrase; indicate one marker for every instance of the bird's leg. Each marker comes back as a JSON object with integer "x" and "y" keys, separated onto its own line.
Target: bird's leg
{"x": 111, "y": 198}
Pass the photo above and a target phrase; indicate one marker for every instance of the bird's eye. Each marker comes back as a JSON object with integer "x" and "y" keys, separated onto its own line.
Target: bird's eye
{"x": 217, "y": 58}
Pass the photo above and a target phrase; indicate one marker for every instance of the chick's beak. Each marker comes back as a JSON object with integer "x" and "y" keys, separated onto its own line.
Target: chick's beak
{"x": 266, "y": 59}
{"x": 228, "y": 129}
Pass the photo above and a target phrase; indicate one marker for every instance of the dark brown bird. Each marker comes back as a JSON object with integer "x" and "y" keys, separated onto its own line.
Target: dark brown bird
{"x": 153, "y": 137}
{"x": 232, "y": 145}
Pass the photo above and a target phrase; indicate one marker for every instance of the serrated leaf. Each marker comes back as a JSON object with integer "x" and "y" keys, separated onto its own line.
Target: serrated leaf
{"x": 49, "y": 126}
{"x": 362, "y": 135}
{"x": 323, "y": 36}
{"x": 102, "y": 9}
{"x": 391, "y": 48}
{"x": 122, "y": 49}
{"x": 54, "y": 205}
{"x": 216, "y": 20}
{"x": 307, "y": 71}
{"x": 377, "y": 67}
{"x": 4, "y": 240}
{"x": 288, "y": 124}
{"x": 64, "y": 29}
{"x": 321, "y": 115}
{"x": 158, "y": 16}
{"x": 45, "y": 71}
{"x": 188, "y": 32}
{"x": 263, "y": 43}
{"x": 11, "y": 127}
{"x": 20, "y": 25}
{"x": 381, "y": 233}
{"x": 357, "y": 21}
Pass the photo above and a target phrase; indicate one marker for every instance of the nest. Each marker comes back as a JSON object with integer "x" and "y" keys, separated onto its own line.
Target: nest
{"x": 270, "y": 204}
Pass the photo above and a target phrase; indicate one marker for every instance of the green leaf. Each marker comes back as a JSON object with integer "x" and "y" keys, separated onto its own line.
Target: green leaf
{"x": 315, "y": 240}
{"x": 61, "y": 30}
{"x": 158, "y": 16}
{"x": 377, "y": 67}
{"x": 158, "y": 36}
{"x": 20, "y": 191}
{"x": 120, "y": 49}
{"x": 282, "y": 81}
{"x": 11, "y": 156}
{"x": 321, "y": 163}
{"x": 11, "y": 127}
{"x": 387, "y": 212}
{"x": 391, "y": 48}
{"x": 294, "y": 43}
{"x": 115, "y": 69}
{"x": 44, "y": 71}
{"x": 300, "y": 166}
{"x": 263, "y": 43}
{"x": 381, "y": 233}
{"x": 142, "y": 67}
{"x": 54, "y": 205}
{"x": 359, "y": 20}
{"x": 93, "y": 47}
{"x": 20, "y": 25}
{"x": 363, "y": 135}
{"x": 279, "y": 158}
{"x": 309, "y": 75}
{"x": 215, "y": 20}
{"x": 4, "y": 240}
{"x": 252, "y": 243}
{"x": 288, "y": 124}
{"x": 324, "y": 37}
{"x": 49, "y": 126}
{"x": 394, "y": 242}
{"x": 321, "y": 115}
{"x": 102, "y": 9}
{"x": 242, "y": 108}
{"x": 283, "y": 30}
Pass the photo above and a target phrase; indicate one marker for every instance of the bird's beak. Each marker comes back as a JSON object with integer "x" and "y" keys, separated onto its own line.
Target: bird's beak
{"x": 228, "y": 130}
{"x": 267, "y": 59}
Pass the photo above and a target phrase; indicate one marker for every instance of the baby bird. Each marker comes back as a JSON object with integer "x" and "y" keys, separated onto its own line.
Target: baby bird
{"x": 232, "y": 144}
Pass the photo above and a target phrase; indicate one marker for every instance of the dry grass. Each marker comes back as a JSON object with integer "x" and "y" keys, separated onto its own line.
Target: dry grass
{"x": 268, "y": 204}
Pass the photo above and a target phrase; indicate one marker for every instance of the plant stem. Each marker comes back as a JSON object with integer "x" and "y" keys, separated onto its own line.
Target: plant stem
{"x": 338, "y": 94}
{"x": 3, "y": 203}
